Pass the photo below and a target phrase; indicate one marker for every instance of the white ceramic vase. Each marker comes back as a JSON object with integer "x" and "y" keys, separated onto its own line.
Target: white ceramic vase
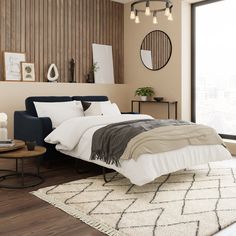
{"x": 143, "y": 98}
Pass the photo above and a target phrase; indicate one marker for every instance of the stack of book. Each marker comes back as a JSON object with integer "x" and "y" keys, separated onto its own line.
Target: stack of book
{"x": 7, "y": 143}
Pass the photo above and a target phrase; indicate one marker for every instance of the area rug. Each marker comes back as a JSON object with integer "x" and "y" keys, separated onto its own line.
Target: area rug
{"x": 193, "y": 202}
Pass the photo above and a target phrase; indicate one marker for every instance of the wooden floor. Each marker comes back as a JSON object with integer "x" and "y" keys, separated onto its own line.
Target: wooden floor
{"x": 24, "y": 214}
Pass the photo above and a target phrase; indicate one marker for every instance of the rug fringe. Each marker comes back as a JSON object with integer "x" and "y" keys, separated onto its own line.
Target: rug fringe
{"x": 106, "y": 229}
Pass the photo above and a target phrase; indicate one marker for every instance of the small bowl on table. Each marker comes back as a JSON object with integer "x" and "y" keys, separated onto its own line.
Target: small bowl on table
{"x": 158, "y": 99}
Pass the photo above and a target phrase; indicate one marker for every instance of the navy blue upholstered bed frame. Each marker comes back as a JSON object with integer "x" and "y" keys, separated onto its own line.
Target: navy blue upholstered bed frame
{"x": 29, "y": 127}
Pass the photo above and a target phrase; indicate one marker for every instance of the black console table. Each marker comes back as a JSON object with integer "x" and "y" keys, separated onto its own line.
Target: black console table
{"x": 168, "y": 103}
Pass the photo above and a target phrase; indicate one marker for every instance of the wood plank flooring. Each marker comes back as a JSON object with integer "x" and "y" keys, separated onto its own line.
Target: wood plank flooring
{"x": 22, "y": 214}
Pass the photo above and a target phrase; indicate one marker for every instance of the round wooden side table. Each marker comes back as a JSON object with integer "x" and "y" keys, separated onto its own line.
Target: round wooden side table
{"x": 22, "y": 154}
{"x": 17, "y": 145}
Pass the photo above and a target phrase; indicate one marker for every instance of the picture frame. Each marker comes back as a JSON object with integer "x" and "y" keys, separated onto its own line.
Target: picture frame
{"x": 27, "y": 71}
{"x": 12, "y": 65}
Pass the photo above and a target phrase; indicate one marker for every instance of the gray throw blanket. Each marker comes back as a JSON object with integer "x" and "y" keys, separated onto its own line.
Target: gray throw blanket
{"x": 109, "y": 142}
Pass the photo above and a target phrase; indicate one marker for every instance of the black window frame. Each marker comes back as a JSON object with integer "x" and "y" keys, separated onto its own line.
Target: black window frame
{"x": 193, "y": 61}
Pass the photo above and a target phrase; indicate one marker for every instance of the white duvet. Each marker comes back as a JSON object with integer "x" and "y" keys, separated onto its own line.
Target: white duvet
{"x": 74, "y": 138}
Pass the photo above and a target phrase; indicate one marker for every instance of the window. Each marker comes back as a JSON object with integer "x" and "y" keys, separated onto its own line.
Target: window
{"x": 214, "y": 65}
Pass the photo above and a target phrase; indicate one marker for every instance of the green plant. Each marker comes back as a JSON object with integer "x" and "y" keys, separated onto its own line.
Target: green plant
{"x": 144, "y": 91}
{"x": 94, "y": 67}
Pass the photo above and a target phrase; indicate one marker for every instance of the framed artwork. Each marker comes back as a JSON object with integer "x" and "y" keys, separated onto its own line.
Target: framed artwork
{"x": 27, "y": 71}
{"x": 12, "y": 65}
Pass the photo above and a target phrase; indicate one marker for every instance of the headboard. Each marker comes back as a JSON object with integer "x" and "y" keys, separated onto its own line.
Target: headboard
{"x": 30, "y": 108}
{"x": 90, "y": 98}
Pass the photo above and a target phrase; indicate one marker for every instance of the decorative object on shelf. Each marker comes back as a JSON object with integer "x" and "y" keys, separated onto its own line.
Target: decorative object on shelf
{"x": 12, "y": 65}
{"x": 3, "y": 127}
{"x": 90, "y": 76}
{"x": 158, "y": 99}
{"x": 167, "y": 10}
{"x": 27, "y": 71}
{"x": 144, "y": 93}
{"x": 156, "y": 50}
{"x": 53, "y": 73}
{"x": 72, "y": 71}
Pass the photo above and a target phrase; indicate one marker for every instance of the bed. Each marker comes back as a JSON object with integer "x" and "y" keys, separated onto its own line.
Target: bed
{"x": 74, "y": 138}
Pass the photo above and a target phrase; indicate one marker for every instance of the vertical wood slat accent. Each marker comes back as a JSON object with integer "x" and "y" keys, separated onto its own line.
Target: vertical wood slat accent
{"x": 55, "y": 31}
{"x": 32, "y": 26}
{"x": 13, "y": 24}
{"x": 45, "y": 38}
{"x": 8, "y": 26}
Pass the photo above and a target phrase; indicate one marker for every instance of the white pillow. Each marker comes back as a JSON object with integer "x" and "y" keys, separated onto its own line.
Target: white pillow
{"x": 59, "y": 111}
{"x": 102, "y": 108}
{"x": 95, "y": 109}
{"x": 110, "y": 109}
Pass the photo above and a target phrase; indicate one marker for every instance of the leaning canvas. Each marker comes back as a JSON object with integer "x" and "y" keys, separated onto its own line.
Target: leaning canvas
{"x": 102, "y": 56}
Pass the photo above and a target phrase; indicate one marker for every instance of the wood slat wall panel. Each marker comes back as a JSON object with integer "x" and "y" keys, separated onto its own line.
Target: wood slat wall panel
{"x": 41, "y": 37}
{"x": 8, "y": 25}
{"x": 45, "y": 39}
{"x": 80, "y": 69}
{"x": 22, "y": 34}
{"x": 30, "y": 57}
{"x": 54, "y": 31}
{"x": 2, "y": 34}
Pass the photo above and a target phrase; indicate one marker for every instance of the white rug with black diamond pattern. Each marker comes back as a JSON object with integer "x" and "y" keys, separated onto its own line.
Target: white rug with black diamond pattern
{"x": 194, "y": 202}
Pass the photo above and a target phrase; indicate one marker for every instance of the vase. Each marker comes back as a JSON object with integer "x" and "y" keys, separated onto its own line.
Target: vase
{"x": 53, "y": 73}
{"x": 90, "y": 77}
{"x": 143, "y": 98}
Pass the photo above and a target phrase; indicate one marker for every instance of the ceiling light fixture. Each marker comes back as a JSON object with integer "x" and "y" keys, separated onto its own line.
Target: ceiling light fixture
{"x": 132, "y": 13}
{"x": 147, "y": 10}
{"x": 167, "y": 9}
{"x": 137, "y": 21}
{"x": 154, "y": 20}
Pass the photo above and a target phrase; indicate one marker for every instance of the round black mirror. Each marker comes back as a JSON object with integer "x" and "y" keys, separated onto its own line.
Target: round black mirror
{"x": 156, "y": 50}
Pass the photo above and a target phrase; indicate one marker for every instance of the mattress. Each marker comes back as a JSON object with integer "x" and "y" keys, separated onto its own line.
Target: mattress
{"x": 148, "y": 166}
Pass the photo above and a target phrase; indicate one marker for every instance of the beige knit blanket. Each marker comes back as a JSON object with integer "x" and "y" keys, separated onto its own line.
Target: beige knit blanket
{"x": 168, "y": 138}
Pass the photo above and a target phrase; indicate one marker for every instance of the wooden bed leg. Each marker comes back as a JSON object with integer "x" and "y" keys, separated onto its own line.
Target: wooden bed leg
{"x": 104, "y": 175}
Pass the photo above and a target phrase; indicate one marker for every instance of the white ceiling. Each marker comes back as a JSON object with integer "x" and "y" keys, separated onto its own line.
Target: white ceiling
{"x": 126, "y": 1}
{"x": 122, "y": 1}
{"x": 193, "y": 1}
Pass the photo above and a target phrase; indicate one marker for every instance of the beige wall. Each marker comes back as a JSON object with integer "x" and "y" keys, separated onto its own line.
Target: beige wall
{"x": 167, "y": 81}
{"x": 186, "y": 60}
{"x": 13, "y": 94}
{"x": 172, "y": 82}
